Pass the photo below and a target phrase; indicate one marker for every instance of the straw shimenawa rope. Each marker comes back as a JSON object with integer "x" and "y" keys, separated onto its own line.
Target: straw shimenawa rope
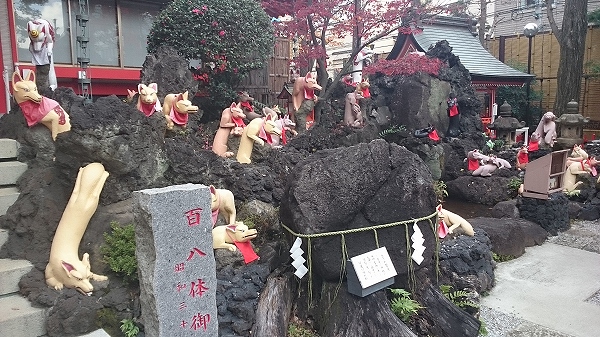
{"x": 405, "y": 223}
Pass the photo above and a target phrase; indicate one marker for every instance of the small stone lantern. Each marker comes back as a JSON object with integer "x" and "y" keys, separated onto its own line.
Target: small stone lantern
{"x": 570, "y": 126}
{"x": 506, "y": 125}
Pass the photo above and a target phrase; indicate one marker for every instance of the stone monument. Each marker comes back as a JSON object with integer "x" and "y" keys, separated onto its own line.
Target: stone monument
{"x": 176, "y": 262}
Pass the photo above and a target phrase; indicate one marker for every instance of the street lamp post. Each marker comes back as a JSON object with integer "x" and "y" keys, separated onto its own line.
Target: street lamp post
{"x": 530, "y": 30}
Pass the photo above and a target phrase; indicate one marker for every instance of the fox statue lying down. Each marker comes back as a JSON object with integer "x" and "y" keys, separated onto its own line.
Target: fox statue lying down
{"x": 64, "y": 268}
{"x": 225, "y": 236}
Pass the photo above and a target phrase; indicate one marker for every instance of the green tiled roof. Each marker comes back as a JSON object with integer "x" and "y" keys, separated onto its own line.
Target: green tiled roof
{"x": 480, "y": 63}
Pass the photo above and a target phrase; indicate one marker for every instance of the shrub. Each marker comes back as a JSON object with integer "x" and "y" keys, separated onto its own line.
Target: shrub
{"x": 228, "y": 37}
{"x": 441, "y": 190}
{"x": 119, "y": 251}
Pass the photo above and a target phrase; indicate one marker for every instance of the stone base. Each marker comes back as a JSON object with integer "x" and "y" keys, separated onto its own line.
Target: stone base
{"x": 551, "y": 214}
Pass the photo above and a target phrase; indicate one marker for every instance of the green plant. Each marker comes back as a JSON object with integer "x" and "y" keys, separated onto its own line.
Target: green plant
{"x": 502, "y": 258}
{"x": 391, "y": 130}
{"x": 514, "y": 184}
{"x": 441, "y": 190}
{"x": 106, "y": 318}
{"x": 119, "y": 251}
{"x": 297, "y": 330}
{"x": 129, "y": 328}
{"x": 459, "y": 297}
{"x": 402, "y": 305}
{"x": 482, "y": 328}
{"x": 498, "y": 144}
{"x": 517, "y": 96}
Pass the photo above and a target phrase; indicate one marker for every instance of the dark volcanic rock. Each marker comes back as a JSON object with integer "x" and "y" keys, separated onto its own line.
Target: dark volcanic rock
{"x": 359, "y": 186}
{"x": 506, "y": 209}
{"x": 510, "y": 236}
{"x": 127, "y": 143}
{"x": 589, "y": 212}
{"x": 466, "y": 262}
{"x": 170, "y": 71}
{"x": 480, "y": 190}
{"x": 552, "y": 214}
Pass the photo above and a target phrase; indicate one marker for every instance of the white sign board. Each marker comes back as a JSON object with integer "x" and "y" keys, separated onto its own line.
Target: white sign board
{"x": 373, "y": 267}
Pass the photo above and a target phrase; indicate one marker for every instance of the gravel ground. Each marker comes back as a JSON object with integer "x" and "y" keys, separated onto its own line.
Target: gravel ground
{"x": 583, "y": 235}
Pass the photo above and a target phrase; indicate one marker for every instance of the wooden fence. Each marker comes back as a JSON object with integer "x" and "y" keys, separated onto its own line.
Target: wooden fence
{"x": 266, "y": 83}
{"x": 545, "y": 56}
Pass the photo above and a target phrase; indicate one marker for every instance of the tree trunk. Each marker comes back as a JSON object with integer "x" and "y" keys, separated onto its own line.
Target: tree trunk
{"x": 448, "y": 319}
{"x": 571, "y": 39}
{"x": 353, "y": 316}
{"x": 482, "y": 21}
{"x": 274, "y": 307}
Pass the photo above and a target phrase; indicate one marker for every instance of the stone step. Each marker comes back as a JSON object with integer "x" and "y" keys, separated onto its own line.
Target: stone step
{"x": 8, "y": 196}
{"x": 19, "y": 319}
{"x": 9, "y": 148}
{"x": 10, "y": 171}
{"x": 11, "y": 272}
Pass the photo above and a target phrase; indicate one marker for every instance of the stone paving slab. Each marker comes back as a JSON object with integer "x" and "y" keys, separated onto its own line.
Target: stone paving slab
{"x": 549, "y": 286}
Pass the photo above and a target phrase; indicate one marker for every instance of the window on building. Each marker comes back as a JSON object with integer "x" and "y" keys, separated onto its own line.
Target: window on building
{"x": 56, "y": 12}
{"x": 136, "y": 20}
{"x": 532, "y": 3}
{"x": 117, "y": 29}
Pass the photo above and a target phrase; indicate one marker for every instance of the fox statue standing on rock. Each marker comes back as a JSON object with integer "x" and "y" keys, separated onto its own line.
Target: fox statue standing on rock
{"x": 37, "y": 108}
{"x": 304, "y": 99}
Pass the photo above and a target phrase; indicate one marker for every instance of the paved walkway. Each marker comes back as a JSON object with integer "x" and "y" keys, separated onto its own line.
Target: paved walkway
{"x": 553, "y": 290}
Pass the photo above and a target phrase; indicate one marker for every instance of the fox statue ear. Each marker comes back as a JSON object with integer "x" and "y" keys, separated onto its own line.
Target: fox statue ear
{"x": 140, "y": 86}
{"x": 68, "y": 268}
{"x": 234, "y": 105}
{"x": 30, "y": 76}
{"x": 16, "y": 77}
{"x": 153, "y": 86}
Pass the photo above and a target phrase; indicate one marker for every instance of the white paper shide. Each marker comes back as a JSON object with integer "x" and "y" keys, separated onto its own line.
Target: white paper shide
{"x": 417, "y": 245}
{"x": 297, "y": 258}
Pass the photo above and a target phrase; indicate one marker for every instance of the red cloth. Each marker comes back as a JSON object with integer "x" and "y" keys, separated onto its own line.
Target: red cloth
{"x": 264, "y": 135}
{"x": 452, "y": 107}
{"x": 239, "y": 122}
{"x": 472, "y": 164}
{"x": 433, "y": 135}
{"x": 247, "y": 251}
{"x": 523, "y": 157}
{"x": 442, "y": 229}
{"x": 148, "y": 109}
{"x": 310, "y": 119}
{"x": 283, "y": 136}
{"x": 453, "y": 111}
{"x": 366, "y": 93}
{"x": 35, "y": 112}
{"x": 177, "y": 117}
{"x": 247, "y": 106}
{"x": 534, "y": 145}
